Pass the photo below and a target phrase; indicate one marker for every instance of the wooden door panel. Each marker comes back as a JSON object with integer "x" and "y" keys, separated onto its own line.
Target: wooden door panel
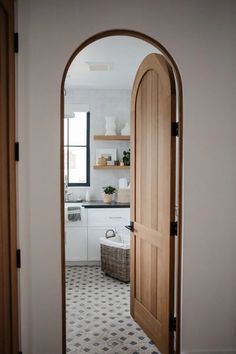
{"x": 147, "y": 148}
{"x": 152, "y": 200}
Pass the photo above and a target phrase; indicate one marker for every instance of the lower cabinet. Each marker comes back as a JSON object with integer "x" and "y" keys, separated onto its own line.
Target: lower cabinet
{"x": 83, "y": 242}
{"x": 76, "y": 243}
{"x": 94, "y": 235}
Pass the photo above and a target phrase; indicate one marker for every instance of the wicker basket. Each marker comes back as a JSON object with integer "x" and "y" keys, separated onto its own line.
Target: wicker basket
{"x": 116, "y": 262}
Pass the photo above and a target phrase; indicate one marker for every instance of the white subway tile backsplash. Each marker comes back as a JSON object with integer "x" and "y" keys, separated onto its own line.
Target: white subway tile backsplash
{"x": 101, "y": 103}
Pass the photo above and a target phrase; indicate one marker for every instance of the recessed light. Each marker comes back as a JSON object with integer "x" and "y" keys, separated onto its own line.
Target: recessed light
{"x": 99, "y": 66}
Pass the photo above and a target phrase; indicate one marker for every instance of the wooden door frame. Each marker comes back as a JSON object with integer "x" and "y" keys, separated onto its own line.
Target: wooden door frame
{"x": 179, "y": 96}
{"x": 9, "y": 262}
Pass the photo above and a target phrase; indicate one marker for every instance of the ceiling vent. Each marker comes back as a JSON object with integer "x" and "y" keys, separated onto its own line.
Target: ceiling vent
{"x": 99, "y": 66}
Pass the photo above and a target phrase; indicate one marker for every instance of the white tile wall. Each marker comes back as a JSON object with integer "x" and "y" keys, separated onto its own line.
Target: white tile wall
{"x": 100, "y": 103}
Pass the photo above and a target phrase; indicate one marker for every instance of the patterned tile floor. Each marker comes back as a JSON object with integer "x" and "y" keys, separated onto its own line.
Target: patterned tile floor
{"x": 98, "y": 320}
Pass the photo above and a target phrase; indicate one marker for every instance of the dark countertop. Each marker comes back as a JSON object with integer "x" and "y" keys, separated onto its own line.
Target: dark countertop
{"x": 101, "y": 204}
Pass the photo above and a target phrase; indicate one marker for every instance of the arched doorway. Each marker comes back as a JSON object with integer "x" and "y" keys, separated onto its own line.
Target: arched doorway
{"x": 178, "y": 177}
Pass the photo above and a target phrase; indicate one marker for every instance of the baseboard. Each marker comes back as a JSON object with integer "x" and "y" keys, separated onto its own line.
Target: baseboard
{"x": 213, "y": 351}
{"x": 82, "y": 263}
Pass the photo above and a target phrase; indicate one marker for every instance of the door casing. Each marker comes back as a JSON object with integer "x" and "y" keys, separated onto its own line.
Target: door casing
{"x": 9, "y": 333}
{"x": 179, "y": 96}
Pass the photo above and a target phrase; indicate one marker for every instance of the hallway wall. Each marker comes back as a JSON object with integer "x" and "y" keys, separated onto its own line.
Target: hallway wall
{"x": 200, "y": 35}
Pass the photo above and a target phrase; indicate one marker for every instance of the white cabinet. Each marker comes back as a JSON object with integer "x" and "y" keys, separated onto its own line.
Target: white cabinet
{"x": 99, "y": 220}
{"x": 83, "y": 236}
{"x": 76, "y": 244}
{"x": 83, "y": 216}
{"x": 94, "y": 234}
{"x": 76, "y": 235}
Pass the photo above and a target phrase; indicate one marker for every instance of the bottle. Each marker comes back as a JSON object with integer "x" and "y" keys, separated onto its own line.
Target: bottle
{"x": 88, "y": 196}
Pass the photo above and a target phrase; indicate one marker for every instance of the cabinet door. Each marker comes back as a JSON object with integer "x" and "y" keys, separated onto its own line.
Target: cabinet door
{"x": 94, "y": 235}
{"x": 76, "y": 244}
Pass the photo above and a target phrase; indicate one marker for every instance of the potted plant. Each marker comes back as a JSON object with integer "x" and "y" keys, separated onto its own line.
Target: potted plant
{"x": 126, "y": 158}
{"x": 108, "y": 192}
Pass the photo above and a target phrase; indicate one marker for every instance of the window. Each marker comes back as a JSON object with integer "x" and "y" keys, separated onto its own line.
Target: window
{"x": 76, "y": 149}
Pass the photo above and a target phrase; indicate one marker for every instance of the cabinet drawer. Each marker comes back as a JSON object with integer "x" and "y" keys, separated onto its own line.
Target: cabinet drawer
{"x": 108, "y": 217}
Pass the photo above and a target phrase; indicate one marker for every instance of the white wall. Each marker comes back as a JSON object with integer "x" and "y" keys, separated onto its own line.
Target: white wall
{"x": 101, "y": 103}
{"x": 201, "y": 37}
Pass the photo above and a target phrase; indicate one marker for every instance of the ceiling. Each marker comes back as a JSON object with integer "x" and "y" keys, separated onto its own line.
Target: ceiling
{"x": 121, "y": 54}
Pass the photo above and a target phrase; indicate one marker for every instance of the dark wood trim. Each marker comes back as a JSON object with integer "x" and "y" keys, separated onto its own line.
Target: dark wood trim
{"x": 179, "y": 94}
{"x": 172, "y": 208}
{"x": 63, "y": 276}
{"x": 180, "y": 213}
{"x": 10, "y": 267}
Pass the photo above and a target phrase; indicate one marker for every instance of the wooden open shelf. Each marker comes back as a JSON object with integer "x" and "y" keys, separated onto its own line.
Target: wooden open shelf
{"x": 112, "y": 137}
{"x": 96, "y": 167}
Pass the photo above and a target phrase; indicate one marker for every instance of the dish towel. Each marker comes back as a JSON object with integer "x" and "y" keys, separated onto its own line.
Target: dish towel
{"x": 73, "y": 213}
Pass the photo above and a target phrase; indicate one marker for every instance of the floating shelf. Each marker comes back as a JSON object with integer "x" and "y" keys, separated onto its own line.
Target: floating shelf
{"x": 96, "y": 167}
{"x": 112, "y": 137}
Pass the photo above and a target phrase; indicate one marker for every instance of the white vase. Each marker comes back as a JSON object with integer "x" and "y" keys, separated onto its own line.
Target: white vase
{"x": 110, "y": 125}
{"x": 126, "y": 129}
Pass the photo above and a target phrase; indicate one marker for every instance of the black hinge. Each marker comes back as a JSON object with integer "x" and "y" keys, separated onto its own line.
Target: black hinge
{"x": 16, "y": 42}
{"x": 130, "y": 227}
{"x": 175, "y": 129}
{"x": 173, "y": 228}
{"x": 172, "y": 324}
{"x": 18, "y": 258}
{"x": 17, "y": 152}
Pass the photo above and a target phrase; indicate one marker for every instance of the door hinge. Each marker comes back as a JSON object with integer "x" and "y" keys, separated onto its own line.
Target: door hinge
{"x": 17, "y": 151}
{"x": 172, "y": 324}
{"x": 175, "y": 129}
{"x": 173, "y": 228}
{"x": 16, "y": 42}
{"x": 130, "y": 227}
{"x": 18, "y": 258}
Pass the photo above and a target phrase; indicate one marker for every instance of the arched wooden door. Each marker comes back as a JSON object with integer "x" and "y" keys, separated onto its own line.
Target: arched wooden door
{"x": 153, "y": 200}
